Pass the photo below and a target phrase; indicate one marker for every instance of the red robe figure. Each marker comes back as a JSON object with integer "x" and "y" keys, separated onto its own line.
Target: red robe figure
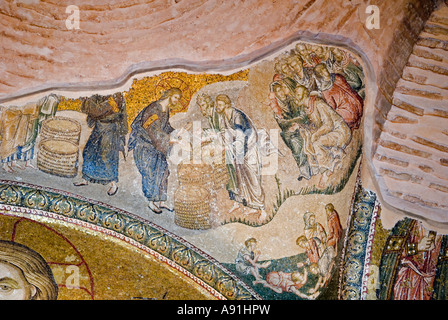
{"x": 334, "y": 226}
{"x": 340, "y": 96}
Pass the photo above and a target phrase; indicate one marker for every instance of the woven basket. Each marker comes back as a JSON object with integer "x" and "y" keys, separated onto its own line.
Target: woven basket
{"x": 194, "y": 174}
{"x": 58, "y": 157}
{"x": 61, "y": 128}
{"x": 220, "y": 175}
{"x": 192, "y": 207}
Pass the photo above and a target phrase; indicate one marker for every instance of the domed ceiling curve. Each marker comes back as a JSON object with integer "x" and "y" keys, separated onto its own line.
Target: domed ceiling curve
{"x": 313, "y": 96}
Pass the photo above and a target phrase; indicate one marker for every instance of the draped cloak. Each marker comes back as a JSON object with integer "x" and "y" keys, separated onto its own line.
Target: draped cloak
{"x": 149, "y": 140}
{"x": 343, "y": 99}
{"x": 407, "y": 274}
{"x": 107, "y": 139}
{"x": 242, "y": 160}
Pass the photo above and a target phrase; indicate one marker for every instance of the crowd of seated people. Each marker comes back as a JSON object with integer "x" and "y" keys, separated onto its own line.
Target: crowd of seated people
{"x": 317, "y": 98}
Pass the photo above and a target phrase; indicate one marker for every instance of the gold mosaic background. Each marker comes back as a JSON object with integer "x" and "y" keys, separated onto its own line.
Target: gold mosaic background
{"x": 148, "y": 89}
{"x": 108, "y": 267}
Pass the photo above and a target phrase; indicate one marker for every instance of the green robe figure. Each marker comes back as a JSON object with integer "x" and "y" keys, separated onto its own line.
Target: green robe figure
{"x": 286, "y": 113}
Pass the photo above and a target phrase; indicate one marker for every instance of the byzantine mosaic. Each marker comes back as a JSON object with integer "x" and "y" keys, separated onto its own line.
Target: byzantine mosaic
{"x": 238, "y": 186}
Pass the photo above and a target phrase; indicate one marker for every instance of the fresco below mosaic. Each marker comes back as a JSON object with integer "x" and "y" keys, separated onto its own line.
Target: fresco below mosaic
{"x": 58, "y": 262}
{"x": 253, "y": 175}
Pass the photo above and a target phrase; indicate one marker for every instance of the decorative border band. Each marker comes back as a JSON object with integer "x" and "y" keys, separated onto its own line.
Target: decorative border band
{"x": 369, "y": 247}
{"x": 358, "y": 244}
{"x": 26, "y": 199}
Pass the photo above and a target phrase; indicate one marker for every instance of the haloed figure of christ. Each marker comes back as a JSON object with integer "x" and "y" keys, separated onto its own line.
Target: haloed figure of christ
{"x": 150, "y": 142}
{"x": 24, "y": 274}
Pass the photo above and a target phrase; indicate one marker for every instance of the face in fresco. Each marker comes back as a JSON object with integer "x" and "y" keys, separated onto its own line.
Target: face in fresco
{"x": 338, "y": 54}
{"x": 322, "y": 72}
{"x": 204, "y": 107}
{"x": 220, "y": 106}
{"x": 300, "y": 93}
{"x": 296, "y": 65}
{"x": 302, "y": 49}
{"x": 252, "y": 246}
{"x": 13, "y": 285}
{"x": 175, "y": 99}
{"x": 280, "y": 93}
{"x": 286, "y": 69}
{"x": 312, "y": 220}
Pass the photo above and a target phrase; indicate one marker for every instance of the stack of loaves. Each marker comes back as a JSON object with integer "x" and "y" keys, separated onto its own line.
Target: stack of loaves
{"x": 59, "y": 146}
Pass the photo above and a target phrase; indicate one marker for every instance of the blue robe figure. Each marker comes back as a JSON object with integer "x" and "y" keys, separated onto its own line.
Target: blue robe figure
{"x": 150, "y": 142}
{"x": 107, "y": 116}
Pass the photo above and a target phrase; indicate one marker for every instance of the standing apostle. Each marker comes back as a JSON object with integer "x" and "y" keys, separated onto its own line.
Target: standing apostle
{"x": 150, "y": 142}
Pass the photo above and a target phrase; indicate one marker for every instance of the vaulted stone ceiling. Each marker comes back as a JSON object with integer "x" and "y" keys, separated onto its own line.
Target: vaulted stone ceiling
{"x": 412, "y": 156}
{"x": 118, "y": 39}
